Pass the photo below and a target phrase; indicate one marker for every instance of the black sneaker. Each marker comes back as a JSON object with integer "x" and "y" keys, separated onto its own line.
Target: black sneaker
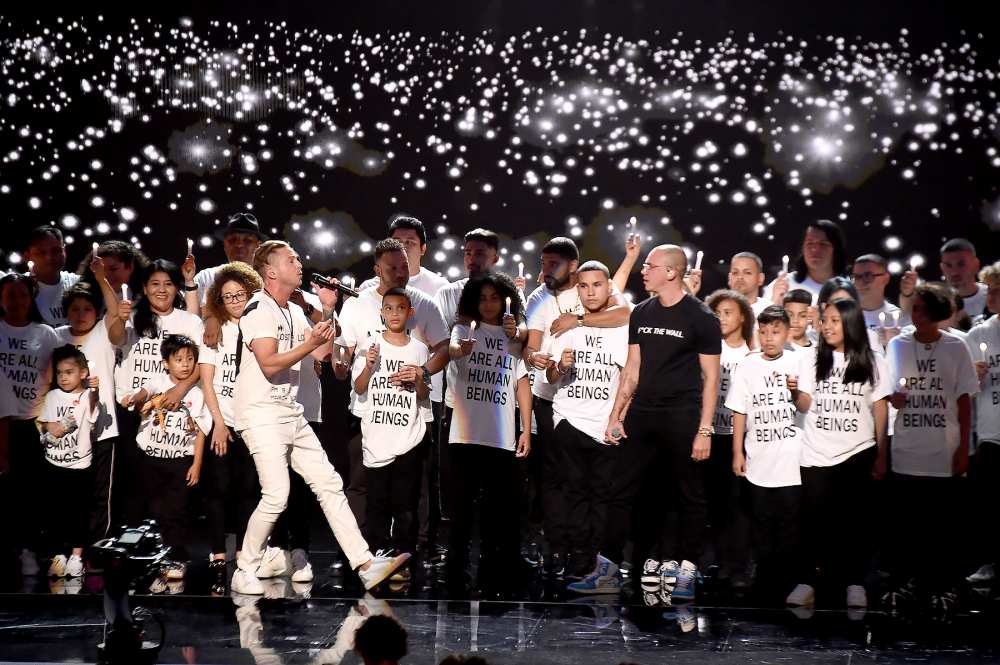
{"x": 531, "y": 554}
{"x": 555, "y": 564}
{"x": 217, "y": 571}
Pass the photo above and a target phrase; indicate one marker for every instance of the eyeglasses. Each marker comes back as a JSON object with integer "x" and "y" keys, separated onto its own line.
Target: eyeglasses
{"x": 866, "y": 276}
{"x": 650, "y": 266}
{"x": 233, "y": 298}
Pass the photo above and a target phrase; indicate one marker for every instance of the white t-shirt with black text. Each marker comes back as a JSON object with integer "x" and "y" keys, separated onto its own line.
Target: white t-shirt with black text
{"x": 73, "y": 450}
{"x": 485, "y": 388}
{"x": 100, "y": 352}
{"x": 49, "y": 298}
{"x": 26, "y": 359}
{"x": 731, "y": 356}
{"x": 394, "y": 420}
{"x": 988, "y": 400}
{"x": 841, "y": 420}
{"x": 773, "y": 442}
{"x": 926, "y": 433}
{"x": 177, "y": 435}
{"x": 223, "y": 359}
{"x": 142, "y": 360}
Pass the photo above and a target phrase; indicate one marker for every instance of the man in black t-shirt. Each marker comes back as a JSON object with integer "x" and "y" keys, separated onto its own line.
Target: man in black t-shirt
{"x": 668, "y": 388}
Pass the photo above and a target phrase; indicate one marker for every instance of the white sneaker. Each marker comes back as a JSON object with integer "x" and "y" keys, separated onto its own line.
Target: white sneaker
{"x": 801, "y": 595}
{"x": 381, "y": 567}
{"x": 175, "y": 570}
{"x": 56, "y": 569}
{"x": 74, "y": 567}
{"x": 984, "y": 574}
{"x": 302, "y": 570}
{"x": 857, "y": 596}
{"x": 274, "y": 563}
{"x": 246, "y": 583}
{"x": 29, "y": 564}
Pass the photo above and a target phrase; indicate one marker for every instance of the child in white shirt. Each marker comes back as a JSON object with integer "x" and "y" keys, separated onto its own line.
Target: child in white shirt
{"x": 68, "y": 415}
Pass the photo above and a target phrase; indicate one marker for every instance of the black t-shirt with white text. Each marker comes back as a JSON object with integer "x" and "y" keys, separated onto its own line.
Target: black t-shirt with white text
{"x": 670, "y": 340}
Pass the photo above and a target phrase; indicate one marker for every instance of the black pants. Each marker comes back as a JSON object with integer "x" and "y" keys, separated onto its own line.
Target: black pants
{"x": 728, "y": 509}
{"x": 837, "y": 520}
{"x": 429, "y": 512}
{"x": 103, "y": 466}
{"x": 549, "y": 478}
{"x": 169, "y": 499}
{"x": 776, "y": 537}
{"x": 485, "y": 481}
{"x": 356, "y": 478}
{"x": 129, "y": 499}
{"x": 231, "y": 490}
{"x": 985, "y": 476}
{"x": 656, "y": 460}
{"x": 446, "y": 469}
{"x": 589, "y": 468}
{"x": 27, "y": 484}
{"x": 927, "y": 539}
{"x": 67, "y": 504}
{"x": 393, "y": 500}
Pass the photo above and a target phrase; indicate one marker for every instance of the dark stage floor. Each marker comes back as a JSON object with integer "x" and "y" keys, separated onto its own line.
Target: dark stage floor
{"x": 42, "y": 621}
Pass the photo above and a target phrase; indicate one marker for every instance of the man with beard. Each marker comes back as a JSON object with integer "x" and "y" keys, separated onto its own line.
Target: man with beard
{"x": 553, "y": 309}
{"x": 240, "y": 239}
{"x": 746, "y": 276}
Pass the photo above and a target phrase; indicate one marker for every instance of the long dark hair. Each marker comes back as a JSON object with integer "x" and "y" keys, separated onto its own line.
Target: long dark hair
{"x": 835, "y": 235}
{"x": 857, "y": 350}
{"x": 145, "y": 319}
{"x": 468, "y": 302}
{"x": 833, "y": 285}
{"x": 34, "y": 314}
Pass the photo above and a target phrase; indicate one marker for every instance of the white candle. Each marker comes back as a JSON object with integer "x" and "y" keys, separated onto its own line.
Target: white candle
{"x": 190, "y": 246}
{"x": 31, "y": 267}
{"x": 507, "y": 312}
{"x": 124, "y": 292}
{"x": 520, "y": 269}
{"x": 895, "y": 318}
{"x": 472, "y": 329}
{"x": 632, "y": 224}
{"x": 881, "y": 319}
{"x": 914, "y": 263}
{"x": 902, "y": 383}
{"x": 697, "y": 259}
{"x": 982, "y": 349}
{"x": 94, "y": 247}
{"x": 784, "y": 264}
{"x": 350, "y": 279}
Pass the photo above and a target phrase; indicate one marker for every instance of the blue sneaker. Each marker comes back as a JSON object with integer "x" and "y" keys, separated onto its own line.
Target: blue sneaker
{"x": 605, "y": 579}
{"x": 669, "y": 570}
{"x": 687, "y": 580}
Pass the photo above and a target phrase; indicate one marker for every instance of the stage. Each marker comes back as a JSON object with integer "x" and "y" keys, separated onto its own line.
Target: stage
{"x": 312, "y": 623}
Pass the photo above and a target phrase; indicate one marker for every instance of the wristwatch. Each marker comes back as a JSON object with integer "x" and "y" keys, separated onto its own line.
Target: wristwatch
{"x": 427, "y": 376}
{"x": 192, "y": 287}
{"x": 579, "y": 320}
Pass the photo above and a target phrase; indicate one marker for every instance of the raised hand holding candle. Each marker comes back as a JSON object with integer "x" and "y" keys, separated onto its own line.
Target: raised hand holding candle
{"x": 124, "y": 292}
{"x": 31, "y": 267}
{"x": 93, "y": 248}
{"x": 472, "y": 329}
{"x": 190, "y": 246}
{"x": 632, "y": 225}
{"x": 784, "y": 264}
{"x": 697, "y": 259}
{"x": 982, "y": 349}
{"x": 507, "y": 311}
{"x": 520, "y": 269}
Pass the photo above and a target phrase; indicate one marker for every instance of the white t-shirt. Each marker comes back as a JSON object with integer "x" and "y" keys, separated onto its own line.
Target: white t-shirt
{"x": 544, "y": 307}
{"x": 259, "y": 400}
{"x": 447, "y": 299}
{"x": 142, "y": 360}
{"x": 773, "y": 442}
{"x": 49, "y": 299}
{"x": 204, "y": 280}
{"x": 841, "y": 421}
{"x": 26, "y": 358}
{"x": 926, "y": 433}
{"x": 310, "y": 389}
{"x": 224, "y": 361}
{"x": 174, "y": 438}
{"x": 485, "y": 388}
{"x": 394, "y": 420}
{"x": 72, "y": 450}
{"x": 585, "y": 395}
{"x": 730, "y": 358}
{"x": 809, "y": 284}
{"x": 425, "y": 281}
{"x": 873, "y": 321}
{"x": 100, "y": 352}
{"x": 759, "y": 305}
{"x": 975, "y": 304}
{"x": 988, "y": 399}
{"x": 361, "y": 319}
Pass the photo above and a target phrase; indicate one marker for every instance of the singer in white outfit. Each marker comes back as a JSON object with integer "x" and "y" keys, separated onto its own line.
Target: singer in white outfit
{"x": 274, "y": 339}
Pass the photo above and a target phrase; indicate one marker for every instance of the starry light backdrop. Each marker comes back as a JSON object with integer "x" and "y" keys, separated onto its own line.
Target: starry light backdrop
{"x": 155, "y": 130}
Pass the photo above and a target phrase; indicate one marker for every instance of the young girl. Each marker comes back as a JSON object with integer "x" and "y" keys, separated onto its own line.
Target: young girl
{"x": 484, "y": 444}
{"x": 229, "y": 475}
{"x": 97, "y": 340}
{"x": 172, "y": 441}
{"x": 843, "y": 389}
{"x": 934, "y": 379}
{"x": 26, "y": 357}
{"x": 157, "y": 313}
{"x": 123, "y": 265}
{"x": 67, "y": 422}
{"x": 730, "y": 525}
{"x": 394, "y": 428}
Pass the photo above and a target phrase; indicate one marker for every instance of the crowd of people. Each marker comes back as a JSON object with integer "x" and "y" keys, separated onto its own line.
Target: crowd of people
{"x": 793, "y": 436}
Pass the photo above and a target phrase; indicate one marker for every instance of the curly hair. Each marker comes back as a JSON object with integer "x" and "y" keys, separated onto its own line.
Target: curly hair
{"x": 237, "y": 271}
{"x": 468, "y": 302}
{"x": 746, "y": 328}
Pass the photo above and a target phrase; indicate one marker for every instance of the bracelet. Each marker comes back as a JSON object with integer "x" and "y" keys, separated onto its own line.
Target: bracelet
{"x": 193, "y": 287}
{"x": 706, "y": 430}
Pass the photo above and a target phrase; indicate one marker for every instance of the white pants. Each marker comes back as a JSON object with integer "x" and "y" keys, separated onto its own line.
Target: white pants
{"x": 273, "y": 447}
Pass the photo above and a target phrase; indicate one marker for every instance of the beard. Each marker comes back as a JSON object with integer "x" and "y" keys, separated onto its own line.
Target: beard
{"x": 554, "y": 284}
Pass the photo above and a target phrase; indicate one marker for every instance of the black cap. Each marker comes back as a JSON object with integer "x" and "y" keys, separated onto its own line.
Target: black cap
{"x": 241, "y": 222}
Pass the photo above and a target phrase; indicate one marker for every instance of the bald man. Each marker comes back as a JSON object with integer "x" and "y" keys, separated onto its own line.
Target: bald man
{"x": 668, "y": 389}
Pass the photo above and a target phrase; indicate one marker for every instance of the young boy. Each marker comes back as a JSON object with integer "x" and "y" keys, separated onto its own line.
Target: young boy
{"x": 67, "y": 422}
{"x": 394, "y": 428}
{"x": 766, "y": 446}
{"x": 173, "y": 443}
{"x": 935, "y": 380}
{"x": 797, "y": 304}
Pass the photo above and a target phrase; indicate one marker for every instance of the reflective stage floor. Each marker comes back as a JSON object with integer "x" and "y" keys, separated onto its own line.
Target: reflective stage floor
{"x": 43, "y": 622}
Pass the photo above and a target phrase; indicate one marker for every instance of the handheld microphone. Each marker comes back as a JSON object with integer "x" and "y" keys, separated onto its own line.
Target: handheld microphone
{"x": 320, "y": 280}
